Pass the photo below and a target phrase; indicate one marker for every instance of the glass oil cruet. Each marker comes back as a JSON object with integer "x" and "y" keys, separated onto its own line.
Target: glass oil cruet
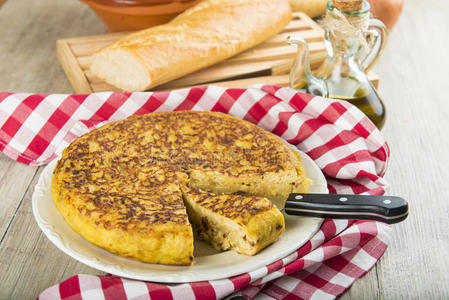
{"x": 353, "y": 44}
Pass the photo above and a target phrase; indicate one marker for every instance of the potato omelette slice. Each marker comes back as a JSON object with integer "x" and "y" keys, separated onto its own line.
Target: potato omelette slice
{"x": 246, "y": 224}
{"x": 120, "y": 186}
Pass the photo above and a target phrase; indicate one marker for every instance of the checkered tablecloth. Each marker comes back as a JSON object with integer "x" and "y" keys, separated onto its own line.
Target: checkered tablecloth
{"x": 349, "y": 149}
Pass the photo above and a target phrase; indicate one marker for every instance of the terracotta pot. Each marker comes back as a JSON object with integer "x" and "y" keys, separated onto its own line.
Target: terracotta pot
{"x": 127, "y": 3}
{"x": 388, "y": 11}
{"x": 131, "y": 15}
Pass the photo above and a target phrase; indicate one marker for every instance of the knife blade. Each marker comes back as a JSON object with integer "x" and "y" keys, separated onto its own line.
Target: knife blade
{"x": 387, "y": 209}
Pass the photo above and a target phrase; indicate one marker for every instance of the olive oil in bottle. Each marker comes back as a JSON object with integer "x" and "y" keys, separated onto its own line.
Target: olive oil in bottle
{"x": 363, "y": 95}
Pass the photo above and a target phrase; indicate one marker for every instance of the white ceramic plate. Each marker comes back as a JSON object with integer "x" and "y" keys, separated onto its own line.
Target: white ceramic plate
{"x": 208, "y": 263}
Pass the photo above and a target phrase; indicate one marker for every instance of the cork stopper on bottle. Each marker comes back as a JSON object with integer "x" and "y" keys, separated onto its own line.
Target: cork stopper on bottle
{"x": 348, "y": 5}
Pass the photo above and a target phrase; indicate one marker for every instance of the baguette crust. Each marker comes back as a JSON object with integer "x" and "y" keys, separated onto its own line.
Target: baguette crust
{"x": 205, "y": 34}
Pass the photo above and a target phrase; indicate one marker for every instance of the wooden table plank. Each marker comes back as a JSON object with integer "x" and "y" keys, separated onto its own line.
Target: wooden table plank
{"x": 15, "y": 180}
{"x": 413, "y": 72}
{"x": 419, "y": 169}
{"x": 29, "y": 262}
{"x": 28, "y": 34}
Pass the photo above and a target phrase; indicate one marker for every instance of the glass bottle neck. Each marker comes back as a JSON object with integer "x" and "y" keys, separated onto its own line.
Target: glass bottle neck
{"x": 348, "y": 47}
{"x": 345, "y": 31}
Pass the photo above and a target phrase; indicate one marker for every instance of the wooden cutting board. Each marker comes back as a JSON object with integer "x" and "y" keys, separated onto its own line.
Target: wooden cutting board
{"x": 267, "y": 63}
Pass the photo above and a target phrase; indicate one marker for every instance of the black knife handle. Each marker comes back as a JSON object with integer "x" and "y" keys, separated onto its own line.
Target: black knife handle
{"x": 387, "y": 209}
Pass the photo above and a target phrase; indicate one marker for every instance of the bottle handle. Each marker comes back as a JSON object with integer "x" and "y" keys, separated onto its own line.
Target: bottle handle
{"x": 300, "y": 75}
{"x": 378, "y": 31}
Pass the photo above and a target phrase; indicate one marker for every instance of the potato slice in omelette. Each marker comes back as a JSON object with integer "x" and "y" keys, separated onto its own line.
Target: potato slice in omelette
{"x": 246, "y": 224}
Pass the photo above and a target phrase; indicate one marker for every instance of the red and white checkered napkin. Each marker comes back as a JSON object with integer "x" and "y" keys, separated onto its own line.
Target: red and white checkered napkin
{"x": 341, "y": 140}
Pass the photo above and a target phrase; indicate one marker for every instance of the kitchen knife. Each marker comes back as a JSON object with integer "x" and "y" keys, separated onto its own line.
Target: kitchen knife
{"x": 387, "y": 209}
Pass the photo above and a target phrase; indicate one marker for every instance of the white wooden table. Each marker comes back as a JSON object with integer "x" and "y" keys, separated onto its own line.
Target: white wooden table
{"x": 414, "y": 85}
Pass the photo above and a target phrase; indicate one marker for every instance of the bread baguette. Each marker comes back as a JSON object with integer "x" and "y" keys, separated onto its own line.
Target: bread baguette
{"x": 203, "y": 35}
{"x": 313, "y": 8}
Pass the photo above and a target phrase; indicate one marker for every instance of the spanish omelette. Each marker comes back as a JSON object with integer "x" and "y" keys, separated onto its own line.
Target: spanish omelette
{"x": 121, "y": 186}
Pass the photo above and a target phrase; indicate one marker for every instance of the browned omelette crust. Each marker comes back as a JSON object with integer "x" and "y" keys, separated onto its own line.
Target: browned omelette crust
{"x": 234, "y": 207}
{"x": 122, "y": 180}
